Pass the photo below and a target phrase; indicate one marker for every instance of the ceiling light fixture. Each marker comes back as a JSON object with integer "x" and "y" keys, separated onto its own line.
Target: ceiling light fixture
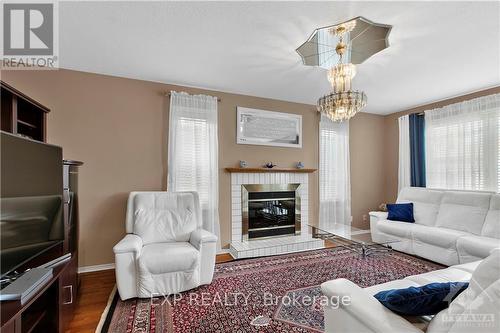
{"x": 338, "y": 48}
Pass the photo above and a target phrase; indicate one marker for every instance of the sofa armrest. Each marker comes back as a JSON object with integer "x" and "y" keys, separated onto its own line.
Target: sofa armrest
{"x": 378, "y": 215}
{"x": 206, "y": 243}
{"x": 129, "y": 243}
{"x": 200, "y": 237}
{"x": 358, "y": 311}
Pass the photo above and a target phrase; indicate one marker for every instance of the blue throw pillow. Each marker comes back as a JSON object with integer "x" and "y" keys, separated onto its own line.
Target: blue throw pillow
{"x": 421, "y": 301}
{"x": 400, "y": 212}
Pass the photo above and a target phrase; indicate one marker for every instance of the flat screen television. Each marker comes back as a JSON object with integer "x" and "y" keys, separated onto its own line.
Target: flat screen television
{"x": 31, "y": 204}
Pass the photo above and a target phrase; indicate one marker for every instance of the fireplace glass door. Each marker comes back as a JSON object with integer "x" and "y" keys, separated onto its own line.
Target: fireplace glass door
{"x": 271, "y": 214}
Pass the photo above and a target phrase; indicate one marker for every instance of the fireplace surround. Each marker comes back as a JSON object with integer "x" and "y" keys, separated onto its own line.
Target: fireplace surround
{"x": 270, "y": 210}
{"x": 301, "y": 240}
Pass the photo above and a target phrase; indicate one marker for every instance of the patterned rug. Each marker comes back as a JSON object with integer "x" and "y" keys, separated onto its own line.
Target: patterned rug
{"x": 260, "y": 295}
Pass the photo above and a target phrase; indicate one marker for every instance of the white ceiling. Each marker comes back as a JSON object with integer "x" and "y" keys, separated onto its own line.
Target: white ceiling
{"x": 438, "y": 49}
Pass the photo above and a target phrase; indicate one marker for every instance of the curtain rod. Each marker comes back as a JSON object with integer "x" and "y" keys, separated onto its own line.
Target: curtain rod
{"x": 218, "y": 98}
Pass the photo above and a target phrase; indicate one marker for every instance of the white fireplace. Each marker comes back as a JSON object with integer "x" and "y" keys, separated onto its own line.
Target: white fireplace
{"x": 284, "y": 185}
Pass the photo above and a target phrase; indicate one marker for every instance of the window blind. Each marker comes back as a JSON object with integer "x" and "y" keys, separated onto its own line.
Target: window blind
{"x": 463, "y": 145}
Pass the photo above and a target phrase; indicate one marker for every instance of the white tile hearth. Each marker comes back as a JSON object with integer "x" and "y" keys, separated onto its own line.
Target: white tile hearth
{"x": 274, "y": 246}
{"x": 277, "y": 245}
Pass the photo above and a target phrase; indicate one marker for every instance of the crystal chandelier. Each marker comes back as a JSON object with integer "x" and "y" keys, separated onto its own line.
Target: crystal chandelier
{"x": 343, "y": 102}
{"x": 338, "y": 48}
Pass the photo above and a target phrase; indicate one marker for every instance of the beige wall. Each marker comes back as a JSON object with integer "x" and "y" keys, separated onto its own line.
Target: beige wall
{"x": 366, "y": 143}
{"x": 391, "y": 138}
{"x": 118, "y": 127}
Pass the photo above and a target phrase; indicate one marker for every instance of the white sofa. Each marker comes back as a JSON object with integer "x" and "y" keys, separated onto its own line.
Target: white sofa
{"x": 450, "y": 227}
{"x": 477, "y": 309}
{"x": 165, "y": 251}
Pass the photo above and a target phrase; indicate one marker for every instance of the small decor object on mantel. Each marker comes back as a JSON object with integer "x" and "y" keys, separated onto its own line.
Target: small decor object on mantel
{"x": 300, "y": 165}
{"x": 243, "y": 164}
{"x": 269, "y": 165}
{"x": 268, "y": 128}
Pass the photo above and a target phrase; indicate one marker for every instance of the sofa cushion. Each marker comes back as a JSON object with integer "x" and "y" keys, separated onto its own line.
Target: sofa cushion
{"x": 400, "y": 212}
{"x": 482, "y": 299}
{"x": 421, "y": 301}
{"x": 425, "y": 203}
{"x": 395, "y": 284}
{"x": 476, "y": 246}
{"x": 491, "y": 227}
{"x": 395, "y": 228}
{"x": 441, "y": 275}
{"x": 158, "y": 218}
{"x": 160, "y": 258}
{"x": 468, "y": 267}
{"x": 442, "y": 237}
{"x": 465, "y": 211}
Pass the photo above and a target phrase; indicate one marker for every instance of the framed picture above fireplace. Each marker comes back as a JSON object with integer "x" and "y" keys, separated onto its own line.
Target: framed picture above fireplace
{"x": 268, "y": 128}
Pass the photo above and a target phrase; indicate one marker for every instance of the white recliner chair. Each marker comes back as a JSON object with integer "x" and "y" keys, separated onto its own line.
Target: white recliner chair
{"x": 165, "y": 251}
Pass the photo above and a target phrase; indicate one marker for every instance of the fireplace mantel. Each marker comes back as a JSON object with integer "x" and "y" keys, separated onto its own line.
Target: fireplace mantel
{"x": 261, "y": 170}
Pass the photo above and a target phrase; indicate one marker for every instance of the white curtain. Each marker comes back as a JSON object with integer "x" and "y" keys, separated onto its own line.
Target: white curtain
{"x": 463, "y": 145}
{"x": 193, "y": 152}
{"x": 404, "y": 169}
{"x": 334, "y": 173}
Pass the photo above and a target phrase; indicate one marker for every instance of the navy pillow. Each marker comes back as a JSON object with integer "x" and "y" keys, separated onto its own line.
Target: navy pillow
{"x": 400, "y": 212}
{"x": 421, "y": 301}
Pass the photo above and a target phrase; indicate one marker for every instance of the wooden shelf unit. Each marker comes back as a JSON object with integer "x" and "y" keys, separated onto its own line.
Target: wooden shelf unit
{"x": 21, "y": 114}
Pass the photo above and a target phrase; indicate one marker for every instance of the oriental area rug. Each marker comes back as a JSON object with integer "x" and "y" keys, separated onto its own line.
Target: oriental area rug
{"x": 269, "y": 294}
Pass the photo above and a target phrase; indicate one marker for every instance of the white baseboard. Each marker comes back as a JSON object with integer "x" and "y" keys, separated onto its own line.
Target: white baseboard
{"x": 95, "y": 268}
{"x": 103, "y": 267}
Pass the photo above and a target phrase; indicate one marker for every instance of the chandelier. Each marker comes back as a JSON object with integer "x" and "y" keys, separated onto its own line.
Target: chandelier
{"x": 338, "y": 48}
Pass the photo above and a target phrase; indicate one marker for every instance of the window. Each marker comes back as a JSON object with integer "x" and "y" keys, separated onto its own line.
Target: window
{"x": 334, "y": 175}
{"x": 463, "y": 145}
{"x": 193, "y": 152}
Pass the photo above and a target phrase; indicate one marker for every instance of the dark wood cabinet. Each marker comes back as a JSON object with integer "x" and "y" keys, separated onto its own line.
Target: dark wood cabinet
{"x": 51, "y": 308}
{"x": 21, "y": 114}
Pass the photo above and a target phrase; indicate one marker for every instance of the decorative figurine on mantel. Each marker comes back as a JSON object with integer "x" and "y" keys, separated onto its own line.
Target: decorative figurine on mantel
{"x": 243, "y": 164}
{"x": 269, "y": 165}
{"x": 299, "y": 165}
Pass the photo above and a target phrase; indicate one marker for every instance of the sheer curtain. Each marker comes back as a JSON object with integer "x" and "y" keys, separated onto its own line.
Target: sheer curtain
{"x": 193, "y": 152}
{"x": 463, "y": 145}
{"x": 334, "y": 173}
{"x": 404, "y": 169}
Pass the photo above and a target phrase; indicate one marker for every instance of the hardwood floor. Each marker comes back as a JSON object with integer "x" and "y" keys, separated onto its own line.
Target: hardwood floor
{"x": 93, "y": 295}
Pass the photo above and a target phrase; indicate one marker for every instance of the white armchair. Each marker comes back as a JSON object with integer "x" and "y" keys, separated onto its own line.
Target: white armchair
{"x": 165, "y": 251}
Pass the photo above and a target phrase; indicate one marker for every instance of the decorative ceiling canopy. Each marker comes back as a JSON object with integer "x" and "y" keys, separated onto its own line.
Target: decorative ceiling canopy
{"x": 339, "y": 48}
{"x": 362, "y": 37}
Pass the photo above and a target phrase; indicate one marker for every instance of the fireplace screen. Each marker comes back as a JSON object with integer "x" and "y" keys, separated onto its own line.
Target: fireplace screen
{"x": 270, "y": 210}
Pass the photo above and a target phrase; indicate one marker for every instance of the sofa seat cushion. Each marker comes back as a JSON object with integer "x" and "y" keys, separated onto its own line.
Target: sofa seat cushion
{"x": 468, "y": 267}
{"x": 160, "y": 258}
{"x": 441, "y": 275}
{"x": 395, "y": 228}
{"x": 476, "y": 246}
{"x": 442, "y": 237}
{"x": 395, "y": 284}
